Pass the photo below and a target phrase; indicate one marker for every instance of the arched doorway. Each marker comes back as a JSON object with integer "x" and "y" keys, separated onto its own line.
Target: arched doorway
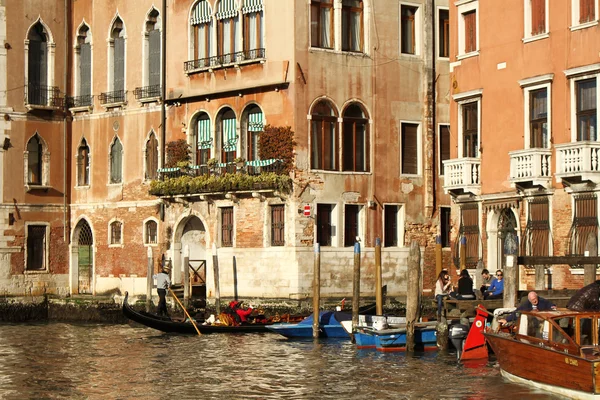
{"x": 507, "y": 237}
{"x": 85, "y": 256}
{"x": 191, "y": 232}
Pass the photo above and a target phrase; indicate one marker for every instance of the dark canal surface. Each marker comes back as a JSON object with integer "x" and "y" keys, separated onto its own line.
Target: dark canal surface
{"x": 65, "y": 361}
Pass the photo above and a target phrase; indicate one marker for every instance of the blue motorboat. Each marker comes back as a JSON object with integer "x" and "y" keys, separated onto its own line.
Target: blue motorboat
{"x": 329, "y": 326}
{"x": 395, "y": 339}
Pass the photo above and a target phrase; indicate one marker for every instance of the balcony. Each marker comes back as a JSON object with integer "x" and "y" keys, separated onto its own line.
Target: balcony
{"x": 530, "y": 168}
{"x": 224, "y": 60}
{"x": 75, "y": 103}
{"x": 43, "y": 97}
{"x": 147, "y": 93}
{"x": 578, "y": 162}
{"x": 113, "y": 99}
{"x": 461, "y": 176}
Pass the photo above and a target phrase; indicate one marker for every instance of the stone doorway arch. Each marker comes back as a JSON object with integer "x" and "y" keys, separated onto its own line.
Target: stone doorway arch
{"x": 82, "y": 258}
{"x": 190, "y": 232}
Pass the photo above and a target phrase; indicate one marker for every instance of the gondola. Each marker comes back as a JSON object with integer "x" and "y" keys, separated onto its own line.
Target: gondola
{"x": 167, "y": 325}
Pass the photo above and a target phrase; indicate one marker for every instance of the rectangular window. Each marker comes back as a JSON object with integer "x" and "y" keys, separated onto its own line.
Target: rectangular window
{"x": 469, "y": 229}
{"x": 227, "y": 226}
{"x": 115, "y": 232}
{"x": 324, "y": 224}
{"x": 351, "y": 224}
{"x": 390, "y": 229}
{"x": 202, "y": 49}
{"x": 537, "y": 232}
{"x": 151, "y": 232}
{"x": 36, "y": 247}
{"x": 321, "y": 23}
{"x": 584, "y": 229}
{"x": 226, "y": 34}
{"x": 444, "y": 33}
{"x": 444, "y": 146}
{"x": 538, "y": 17}
{"x": 587, "y": 11}
{"x": 538, "y": 118}
{"x": 85, "y": 69}
{"x": 470, "y": 129}
{"x": 154, "y": 58}
{"x": 278, "y": 225}
{"x": 352, "y": 26}
{"x": 410, "y": 156}
{"x": 324, "y": 143}
{"x": 586, "y": 109}
{"x": 445, "y": 226}
{"x": 470, "y": 23}
{"x": 253, "y": 33}
{"x": 119, "y": 64}
{"x": 408, "y": 29}
{"x": 355, "y": 142}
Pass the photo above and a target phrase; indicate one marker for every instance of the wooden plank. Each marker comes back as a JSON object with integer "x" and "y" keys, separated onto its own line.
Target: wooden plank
{"x": 553, "y": 260}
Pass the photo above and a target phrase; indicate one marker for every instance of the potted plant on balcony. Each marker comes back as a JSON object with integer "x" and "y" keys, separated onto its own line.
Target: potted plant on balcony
{"x": 212, "y": 165}
{"x": 240, "y": 162}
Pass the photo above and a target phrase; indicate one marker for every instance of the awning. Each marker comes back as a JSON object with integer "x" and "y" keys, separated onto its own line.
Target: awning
{"x": 204, "y": 139}
{"x": 261, "y": 163}
{"x": 229, "y": 135}
{"x": 201, "y": 13}
{"x": 226, "y": 9}
{"x": 251, "y": 6}
{"x": 255, "y": 122}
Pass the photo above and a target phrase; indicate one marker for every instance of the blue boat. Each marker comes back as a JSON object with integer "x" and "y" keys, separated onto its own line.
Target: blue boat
{"x": 329, "y": 326}
{"x": 395, "y": 339}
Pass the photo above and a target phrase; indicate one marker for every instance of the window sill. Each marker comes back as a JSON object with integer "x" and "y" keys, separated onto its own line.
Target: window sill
{"x": 120, "y": 184}
{"x": 151, "y": 244}
{"x": 115, "y": 245}
{"x": 120, "y": 104}
{"x": 82, "y": 187}
{"x": 327, "y": 171}
{"x": 467, "y": 55}
{"x": 146, "y": 100}
{"x": 31, "y": 107}
{"x": 583, "y": 26}
{"x": 81, "y": 109}
{"x": 36, "y": 271}
{"x": 31, "y": 187}
{"x": 535, "y": 38}
{"x": 411, "y": 176}
{"x": 235, "y": 64}
{"x": 411, "y": 56}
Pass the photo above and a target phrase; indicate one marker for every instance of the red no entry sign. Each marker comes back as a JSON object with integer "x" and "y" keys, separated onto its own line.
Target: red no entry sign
{"x": 307, "y": 210}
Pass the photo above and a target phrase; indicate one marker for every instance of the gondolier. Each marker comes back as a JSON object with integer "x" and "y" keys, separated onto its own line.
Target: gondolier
{"x": 163, "y": 282}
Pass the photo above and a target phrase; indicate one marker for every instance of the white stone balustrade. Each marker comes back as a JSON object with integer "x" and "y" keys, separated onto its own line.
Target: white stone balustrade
{"x": 578, "y": 161}
{"x": 462, "y": 174}
{"x": 531, "y": 166}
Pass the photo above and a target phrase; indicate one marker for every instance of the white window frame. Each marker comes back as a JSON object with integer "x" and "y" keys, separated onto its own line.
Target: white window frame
{"x": 437, "y": 33}
{"x": 439, "y": 145}
{"x": 417, "y": 32}
{"x": 575, "y": 25}
{"x": 400, "y": 219}
{"x": 463, "y": 99}
{"x": 45, "y": 161}
{"x": 574, "y": 75}
{"x": 46, "y": 250}
{"x": 110, "y": 241}
{"x": 110, "y": 55}
{"x": 77, "y": 64}
{"x": 529, "y": 85}
{"x": 51, "y": 48}
{"x": 336, "y": 222}
{"x": 527, "y": 36}
{"x": 465, "y": 6}
{"x": 267, "y": 233}
{"x": 145, "y": 231}
{"x": 110, "y": 166}
{"x": 361, "y": 220}
{"x": 78, "y": 184}
{"x": 419, "y": 147}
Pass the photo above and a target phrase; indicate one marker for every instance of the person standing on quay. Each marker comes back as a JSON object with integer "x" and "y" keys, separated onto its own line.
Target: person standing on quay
{"x": 163, "y": 282}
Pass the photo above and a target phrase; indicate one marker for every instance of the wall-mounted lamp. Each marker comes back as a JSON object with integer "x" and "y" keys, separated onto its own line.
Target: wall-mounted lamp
{"x": 6, "y": 145}
{"x": 207, "y": 99}
{"x": 239, "y": 94}
{"x": 277, "y": 89}
{"x": 6, "y": 117}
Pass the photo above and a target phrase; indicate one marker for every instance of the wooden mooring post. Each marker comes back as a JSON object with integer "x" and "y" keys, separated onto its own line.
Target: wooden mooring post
{"x": 356, "y": 285}
{"x": 316, "y": 290}
{"x": 186, "y": 275}
{"x": 413, "y": 294}
{"x": 150, "y": 281}
{"x": 216, "y": 273}
{"x": 378, "y": 288}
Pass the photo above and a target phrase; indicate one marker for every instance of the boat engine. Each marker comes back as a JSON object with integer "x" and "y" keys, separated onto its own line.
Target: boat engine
{"x": 458, "y": 334}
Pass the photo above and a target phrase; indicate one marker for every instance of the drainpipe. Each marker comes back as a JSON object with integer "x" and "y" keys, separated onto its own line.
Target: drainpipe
{"x": 66, "y": 149}
{"x": 163, "y": 83}
{"x": 433, "y": 111}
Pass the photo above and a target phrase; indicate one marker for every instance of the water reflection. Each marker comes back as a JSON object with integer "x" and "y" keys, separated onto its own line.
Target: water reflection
{"x": 49, "y": 361}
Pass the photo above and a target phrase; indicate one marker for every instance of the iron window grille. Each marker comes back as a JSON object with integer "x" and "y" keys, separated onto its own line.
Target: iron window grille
{"x": 147, "y": 92}
{"x": 40, "y": 95}
{"x": 224, "y": 59}
{"x": 117, "y": 96}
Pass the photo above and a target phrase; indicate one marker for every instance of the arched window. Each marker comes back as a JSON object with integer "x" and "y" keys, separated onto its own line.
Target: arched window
{"x": 227, "y": 30}
{"x": 83, "y": 164}
{"x": 117, "y": 62}
{"x": 355, "y": 140}
{"x": 152, "y": 52}
{"x": 324, "y": 137}
{"x": 116, "y": 233}
{"x": 37, "y": 66}
{"x": 151, "y": 155}
{"x": 203, "y": 138}
{"x": 34, "y": 161}
{"x": 253, "y": 29}
{"x": 150, "y": 232}
{"x": 201, "y": 21}
{"x": 228, "y": 135}
{"x": 352, "y": 25}
{"x": 254, "y": 124}
{"x": 116, "y": 162}
{"x": 321, "y": 23}
{"x": 83, "y": 54}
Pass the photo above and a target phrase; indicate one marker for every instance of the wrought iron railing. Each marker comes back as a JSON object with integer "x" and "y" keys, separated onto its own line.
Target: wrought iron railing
{"x": 147, "y": 92}
{"x": 79, "y": 101}
{"x": 249, "y": 167}
{"x": 117, "y": 96}
{"x": 224, "y": 59}
{"x": 40, "y": 95}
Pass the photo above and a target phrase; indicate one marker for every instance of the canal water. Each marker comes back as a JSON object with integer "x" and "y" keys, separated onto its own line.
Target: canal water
{"x": 71, "y": 361}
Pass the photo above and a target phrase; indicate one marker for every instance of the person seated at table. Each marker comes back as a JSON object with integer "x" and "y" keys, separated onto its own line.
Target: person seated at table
{"x": 496, "y": 289}
{"x": 465, "y": 287}
{"x": 443, "y": 287}
{"x": 533, "y": 303}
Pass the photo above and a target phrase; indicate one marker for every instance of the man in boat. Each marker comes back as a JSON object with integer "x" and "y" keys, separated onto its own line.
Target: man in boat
{"x": 163, "y": 282}
{"x": 533, "y": 303}
{"x": 586, "y": 299}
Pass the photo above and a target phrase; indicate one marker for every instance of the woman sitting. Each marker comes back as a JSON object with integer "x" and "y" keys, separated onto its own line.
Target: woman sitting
{"x": 465, "y": 287}
{"x": 443, "y": 287}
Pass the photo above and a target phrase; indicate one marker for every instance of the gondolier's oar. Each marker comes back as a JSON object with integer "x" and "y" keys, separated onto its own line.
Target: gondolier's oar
{"x": 185, "y": 311}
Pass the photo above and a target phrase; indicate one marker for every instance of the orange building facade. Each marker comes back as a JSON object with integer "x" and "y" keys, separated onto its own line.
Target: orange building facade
{"x": 362, "y": 85}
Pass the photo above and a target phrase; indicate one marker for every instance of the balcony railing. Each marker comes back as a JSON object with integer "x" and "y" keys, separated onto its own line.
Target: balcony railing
{"x": 79, "y": 101}
{"x": 578, "y": 162}
{"x": 531, "y": 167}
{"x": 256, "y": 167}
{"x": 224, "y": 59}
{"x": 43, "y": 96}
{"x": 147, "y": 92}
{"x": 462, "y": 175}
{"x": 117, "y": 96}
